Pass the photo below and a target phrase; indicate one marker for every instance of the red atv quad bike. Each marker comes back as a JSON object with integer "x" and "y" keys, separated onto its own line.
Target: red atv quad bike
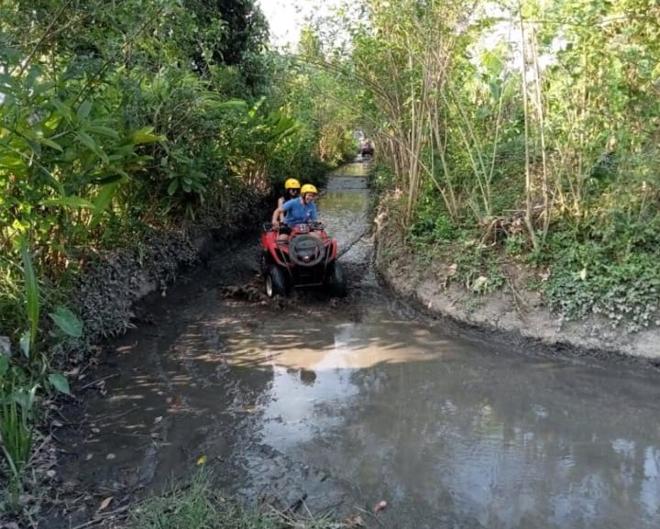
{"x": 307, "y": 259}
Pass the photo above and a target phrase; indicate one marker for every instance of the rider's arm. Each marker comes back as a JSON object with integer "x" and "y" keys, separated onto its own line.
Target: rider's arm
{"x": 276, "y": 215}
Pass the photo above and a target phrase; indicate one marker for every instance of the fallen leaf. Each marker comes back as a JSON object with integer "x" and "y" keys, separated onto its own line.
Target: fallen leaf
{"x": 57, "y": 424}
{"x": 480, "y": 284}
{"x": 201, "y": 460}
{"x": 380, "y": 506}
{"x": 354, "y": 521}
{"x": 105, "y": 503}
{"x": 158, "y": 419}
{"x": 88, "y": 457}
{"x": 50, "y": 473}
{"x": 110, "y": 457}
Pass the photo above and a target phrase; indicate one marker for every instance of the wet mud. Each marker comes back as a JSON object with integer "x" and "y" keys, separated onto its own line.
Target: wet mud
{"x": 339, "y": 404}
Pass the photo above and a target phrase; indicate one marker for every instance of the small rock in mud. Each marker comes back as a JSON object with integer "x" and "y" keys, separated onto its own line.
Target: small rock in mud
{"x": 354, "y": 521}
{"x": 248, "y": 292}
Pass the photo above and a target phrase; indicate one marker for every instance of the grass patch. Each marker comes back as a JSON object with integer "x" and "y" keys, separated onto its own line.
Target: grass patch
{"x": 199, "y": 505}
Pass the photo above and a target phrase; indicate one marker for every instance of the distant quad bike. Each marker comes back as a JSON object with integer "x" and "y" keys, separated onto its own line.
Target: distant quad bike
{"x": 367, "y": 150}
{"x": 307, "y": 259}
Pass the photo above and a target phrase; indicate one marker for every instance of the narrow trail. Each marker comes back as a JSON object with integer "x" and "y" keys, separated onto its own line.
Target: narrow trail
{"x": 339, "y": 404}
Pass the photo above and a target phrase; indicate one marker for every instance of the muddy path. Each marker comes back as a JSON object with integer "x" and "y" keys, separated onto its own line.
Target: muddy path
{"x": 343, "y": 403}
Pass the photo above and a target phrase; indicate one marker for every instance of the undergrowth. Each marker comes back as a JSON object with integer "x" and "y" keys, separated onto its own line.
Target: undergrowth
{"x": 606, "y": 267}
{"x": 199, "y": 505}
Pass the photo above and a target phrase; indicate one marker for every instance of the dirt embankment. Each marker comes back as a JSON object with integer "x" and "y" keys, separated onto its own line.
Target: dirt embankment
{"x": 514, "y": 308}
{"x": 106, "y": 293}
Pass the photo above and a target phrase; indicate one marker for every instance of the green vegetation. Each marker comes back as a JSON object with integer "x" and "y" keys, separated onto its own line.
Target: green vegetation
{"x": 118, "y": 119}
{"x": 522, "y": 132}
{"x": 198, "y": 505}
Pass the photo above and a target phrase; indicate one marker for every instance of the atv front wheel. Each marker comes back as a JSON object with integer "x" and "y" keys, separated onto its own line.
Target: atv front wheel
{"x": 275, "y": 282}
{"x": 336, "y": 281}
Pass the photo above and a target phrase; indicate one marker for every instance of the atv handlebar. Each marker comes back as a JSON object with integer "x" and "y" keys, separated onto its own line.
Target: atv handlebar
{"x": 314, "y": 226}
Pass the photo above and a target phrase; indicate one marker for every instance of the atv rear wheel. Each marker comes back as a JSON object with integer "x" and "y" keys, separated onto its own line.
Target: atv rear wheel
{"x": 275, "y": 282}
{"x": 336, "y": 281}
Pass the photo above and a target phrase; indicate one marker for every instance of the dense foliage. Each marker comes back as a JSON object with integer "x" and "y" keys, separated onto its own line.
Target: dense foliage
{"x": 524, "y": 132}
{"x": 117, "y": 118}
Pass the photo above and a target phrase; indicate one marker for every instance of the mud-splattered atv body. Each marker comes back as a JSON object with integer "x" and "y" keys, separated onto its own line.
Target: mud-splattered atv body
{"x": 308, "y": 258}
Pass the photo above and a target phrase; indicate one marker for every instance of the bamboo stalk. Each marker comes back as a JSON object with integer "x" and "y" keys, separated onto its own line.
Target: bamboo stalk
{"x": 528, "y": 176}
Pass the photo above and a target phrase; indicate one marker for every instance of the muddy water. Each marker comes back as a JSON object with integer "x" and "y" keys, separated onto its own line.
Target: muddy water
{"x": 348, "y": 403}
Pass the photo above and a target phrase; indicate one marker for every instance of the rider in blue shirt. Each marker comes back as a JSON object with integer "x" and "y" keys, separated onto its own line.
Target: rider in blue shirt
{"x": 298, "y": 210}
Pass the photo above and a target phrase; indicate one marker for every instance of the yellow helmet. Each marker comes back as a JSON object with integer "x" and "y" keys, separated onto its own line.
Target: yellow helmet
{"x": 291, "y": 183}
{"x": 308, "y": 188}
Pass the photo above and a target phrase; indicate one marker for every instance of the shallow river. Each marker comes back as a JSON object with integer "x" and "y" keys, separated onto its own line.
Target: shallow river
{"x": 349, "y": 403}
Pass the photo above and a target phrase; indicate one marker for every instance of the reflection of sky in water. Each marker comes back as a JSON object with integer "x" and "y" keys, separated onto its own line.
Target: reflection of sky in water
{"x": 293, "y": 398}
{"x": 650, "y": 493}
{"x": 408, "y": 429}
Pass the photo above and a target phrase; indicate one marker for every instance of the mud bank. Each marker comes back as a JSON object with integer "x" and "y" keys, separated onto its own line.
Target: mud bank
{"x": 513, "y": 309}
{"x": 108, "y": 291}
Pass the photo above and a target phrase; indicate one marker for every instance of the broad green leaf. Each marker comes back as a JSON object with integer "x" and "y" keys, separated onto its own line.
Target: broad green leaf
{"x": 60, "y": 383}
{"x": 109, "y": 179}
{"x": 103, "y": 131}
{"x": 67, "y": 322}
{"x": 69, "y": 202}
{"x": 64, "y": 109}
{"x": 31, "y": 294}
{"x": 25, "y": 398}
{"x": 103, "y": 200}
{"x": 84, "y": 110}
{"x": 174, "y": 185}
{"x": 145, "y": 135}
{"x": 89, "y": 142}
{"x": 231, "y": 104}
{"x": 50, "y": 143}
{"x": 11, "y": 161}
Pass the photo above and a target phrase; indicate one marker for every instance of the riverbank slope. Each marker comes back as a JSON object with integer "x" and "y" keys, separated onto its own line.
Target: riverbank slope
{"x": 513, "y": 308}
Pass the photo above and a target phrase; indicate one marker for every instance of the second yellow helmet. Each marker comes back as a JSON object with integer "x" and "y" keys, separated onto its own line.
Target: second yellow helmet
{"x": 308, "y": 188}
{"x": 291, "y": 183}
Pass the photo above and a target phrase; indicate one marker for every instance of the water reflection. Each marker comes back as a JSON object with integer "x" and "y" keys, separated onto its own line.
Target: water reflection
{"x": 437, "y": 427}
